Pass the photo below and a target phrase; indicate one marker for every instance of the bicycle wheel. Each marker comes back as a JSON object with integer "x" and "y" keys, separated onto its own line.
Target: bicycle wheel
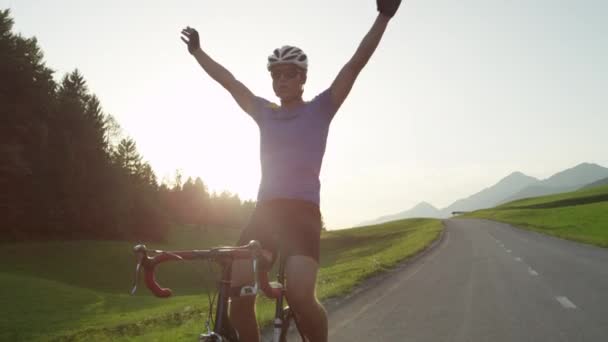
{"x": 212, "y": 338}
{"x": 287, "y": 315}
{"x": 230, "y": 333}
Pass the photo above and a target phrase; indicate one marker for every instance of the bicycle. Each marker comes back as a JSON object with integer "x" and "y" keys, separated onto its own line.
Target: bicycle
{"x": 223, "y": 331}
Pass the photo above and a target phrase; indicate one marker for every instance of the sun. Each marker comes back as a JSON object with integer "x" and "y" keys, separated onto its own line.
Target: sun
{"x": 216, "y": 141}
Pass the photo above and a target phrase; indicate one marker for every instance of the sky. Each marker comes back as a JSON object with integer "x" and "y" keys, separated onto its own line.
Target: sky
{"x": 458, "y": 94}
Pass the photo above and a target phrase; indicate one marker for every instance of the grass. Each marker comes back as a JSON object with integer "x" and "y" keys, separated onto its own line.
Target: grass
{"x": 592, "y": 195}
{"x": 580, "y": 215}
{"x": 351, "y": 256}
{"x": 80, "y": 286}
{"x": 77, "y": 291}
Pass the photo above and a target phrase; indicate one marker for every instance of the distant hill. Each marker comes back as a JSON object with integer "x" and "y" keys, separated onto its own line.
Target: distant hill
{"x": 564, "y": 181}
{"x": 512, "y": 187}
{"x": 534, "y": 191}
{"x": 422, "y": 209}
{"x": 577, "y": 176}
{"x": 491, "y": 196}
{"x": 600, "y": 182}
{"x": 487, "y": 197}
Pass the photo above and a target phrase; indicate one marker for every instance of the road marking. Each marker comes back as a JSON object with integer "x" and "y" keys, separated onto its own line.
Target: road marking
{"x": 508, "y": 251}
{"x": 565, "y": 302}
{"x": 532, "y": 272}
{"x": 518, "y": 259}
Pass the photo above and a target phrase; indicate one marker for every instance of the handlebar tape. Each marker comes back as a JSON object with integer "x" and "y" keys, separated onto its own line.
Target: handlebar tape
{"x": 150, "y": 277}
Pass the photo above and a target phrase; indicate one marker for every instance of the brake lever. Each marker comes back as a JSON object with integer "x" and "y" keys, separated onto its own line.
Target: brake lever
{"x": 253, "y": 290}
{"x": 141, "y": 253}
{"x": 136, "y": 280}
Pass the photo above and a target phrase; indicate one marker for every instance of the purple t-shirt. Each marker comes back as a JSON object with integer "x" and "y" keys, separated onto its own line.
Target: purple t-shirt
{"x": 292, "y": 145}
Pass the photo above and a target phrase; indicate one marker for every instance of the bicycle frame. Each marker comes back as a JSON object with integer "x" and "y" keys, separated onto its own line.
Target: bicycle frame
{"x": 222, "y": 322}
{"x": 224, "y": 256}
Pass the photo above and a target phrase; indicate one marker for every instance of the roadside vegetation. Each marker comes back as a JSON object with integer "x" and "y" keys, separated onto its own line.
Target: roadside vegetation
{"x": 78, "y": 290}
{"x": 579, "y": 215}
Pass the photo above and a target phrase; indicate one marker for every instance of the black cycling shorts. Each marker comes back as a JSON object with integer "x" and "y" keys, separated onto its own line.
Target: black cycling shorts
{"x": 290, "y": 226}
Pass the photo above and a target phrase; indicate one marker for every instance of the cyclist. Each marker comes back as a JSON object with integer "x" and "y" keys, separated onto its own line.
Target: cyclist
{"x": 293, "y": 136}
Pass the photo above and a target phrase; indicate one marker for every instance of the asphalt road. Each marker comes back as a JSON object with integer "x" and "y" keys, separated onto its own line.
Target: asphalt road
{"x": 485, "y": 281}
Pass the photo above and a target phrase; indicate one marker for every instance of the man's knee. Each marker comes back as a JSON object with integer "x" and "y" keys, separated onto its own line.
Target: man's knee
{"x": 242, "y": 306}
{"x": 242, "y": 269}
{"x": 301, "y": 300}
{"x": 301, "y": 273}
{"x": 242, "y": 273}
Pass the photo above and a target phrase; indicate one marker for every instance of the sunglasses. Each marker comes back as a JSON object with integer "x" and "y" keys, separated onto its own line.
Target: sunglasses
{"x": 288, "y": 74}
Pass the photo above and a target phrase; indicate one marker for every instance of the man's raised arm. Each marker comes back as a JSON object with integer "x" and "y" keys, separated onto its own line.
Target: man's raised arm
{"x": 243, "y": 96}
{"x": 347, "y": 76}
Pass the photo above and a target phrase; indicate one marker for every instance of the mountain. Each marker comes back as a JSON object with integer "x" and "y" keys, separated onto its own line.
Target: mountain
{"x": 577, "y": 176}
{"x": 491, "y": 196}
{"x": 422, "y": 209}
{"x": 567, "y": 180}
{"x": 514, "y": 186}
{"x": 534, "y": 191}
{"x": 485, "y": 198}
{"x": 600, "y": 182}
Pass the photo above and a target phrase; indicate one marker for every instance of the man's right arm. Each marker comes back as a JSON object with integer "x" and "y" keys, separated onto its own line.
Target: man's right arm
{"x": 243, "y": 96}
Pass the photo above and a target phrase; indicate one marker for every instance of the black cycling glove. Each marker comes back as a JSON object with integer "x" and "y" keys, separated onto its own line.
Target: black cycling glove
{"x": 388, "y": 7}
{"x": 191, "y": 39}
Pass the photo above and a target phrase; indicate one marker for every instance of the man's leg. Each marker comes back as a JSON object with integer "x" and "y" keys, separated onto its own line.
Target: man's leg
{"x": 242, "y": 309}
{"x": 301, "y": 274}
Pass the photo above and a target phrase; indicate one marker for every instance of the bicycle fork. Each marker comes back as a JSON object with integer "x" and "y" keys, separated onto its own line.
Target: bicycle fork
{"x": 222, "y": 322}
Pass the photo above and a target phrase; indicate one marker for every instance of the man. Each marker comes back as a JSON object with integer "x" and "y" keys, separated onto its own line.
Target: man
{"x": 292, "y": 138}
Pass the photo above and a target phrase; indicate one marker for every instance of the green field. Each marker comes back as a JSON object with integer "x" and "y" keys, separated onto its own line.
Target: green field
{"x": 78, "y": 290}
{"x": 580, "y": 215}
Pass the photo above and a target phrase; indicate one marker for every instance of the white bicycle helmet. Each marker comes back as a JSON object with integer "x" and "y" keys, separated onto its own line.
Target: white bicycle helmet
{"x": 288, "y": 55}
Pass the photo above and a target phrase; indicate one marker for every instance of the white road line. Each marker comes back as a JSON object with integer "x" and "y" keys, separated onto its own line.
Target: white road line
{"x": 508, "y": 251}
{"x": 532, "y": 272}
{"x": 565, "y": 302}
{"x": 518, "y": 259}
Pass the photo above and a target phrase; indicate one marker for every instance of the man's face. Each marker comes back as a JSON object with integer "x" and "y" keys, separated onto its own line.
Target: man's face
{"x": 287, "y": 81}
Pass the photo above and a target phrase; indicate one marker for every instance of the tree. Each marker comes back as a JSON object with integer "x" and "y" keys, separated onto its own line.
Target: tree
{"x": 68, "y": 172}
{"x": 26, "y": 100}
{"x": 127, "y": 157}
{"x": 60, "y": 175}
{"x": 140, "y": 200}
{"x": 201, "y": 202}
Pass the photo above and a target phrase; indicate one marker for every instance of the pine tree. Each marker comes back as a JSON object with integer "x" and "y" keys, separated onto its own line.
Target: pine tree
{"x": 26, "y": 101}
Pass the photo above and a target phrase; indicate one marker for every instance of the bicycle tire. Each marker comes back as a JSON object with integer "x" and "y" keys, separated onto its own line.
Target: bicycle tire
{"x": 286, "y": 322}
{"x": 230, "y": 333}
{"x": 214, "y": 338}
{"x": 217, "y": 339}
{"x": 227, "y": 334}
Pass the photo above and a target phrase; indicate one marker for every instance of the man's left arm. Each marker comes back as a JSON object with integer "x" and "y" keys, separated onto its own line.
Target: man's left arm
{"x": 347, "y": 76}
